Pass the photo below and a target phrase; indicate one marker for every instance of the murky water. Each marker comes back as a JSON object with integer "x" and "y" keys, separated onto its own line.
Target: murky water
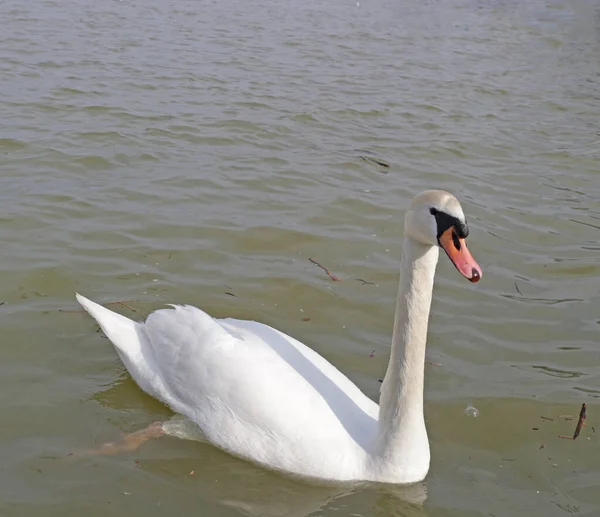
{"x": 200, "y": 152}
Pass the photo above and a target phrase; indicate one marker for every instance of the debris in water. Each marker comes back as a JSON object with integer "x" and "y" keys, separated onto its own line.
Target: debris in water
{"x": 124, "y": 305}
{"x": 373, "y": 158}
{"x": 580, "y": 423}
{"x": 376, "y": 162}
{"x": 329, "y": 273}
{"x": 364, "y": 282}
{"x": 372, "y": 354}
{"x": 518, "y": 290}
{"x": 471, "y": 411}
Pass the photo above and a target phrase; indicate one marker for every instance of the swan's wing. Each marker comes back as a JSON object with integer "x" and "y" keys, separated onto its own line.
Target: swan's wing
{"x": 249, "y": 386}
{"x": 251, "y": 389}
{"x": 185, "y": 342}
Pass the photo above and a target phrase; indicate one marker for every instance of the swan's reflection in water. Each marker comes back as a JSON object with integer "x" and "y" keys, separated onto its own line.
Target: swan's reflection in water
{"x": 286, "y": 498}
{"x": 221, "y": 480}
{"x": 253, "y": 492}
{"x": 231, "y": 483}
{"x": 256, "y": 492}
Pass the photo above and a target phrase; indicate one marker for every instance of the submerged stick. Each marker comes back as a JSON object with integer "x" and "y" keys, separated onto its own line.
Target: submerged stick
{"x": 364, "y": 282}
{"x": 580, "y": 423}
{"x": 329, "y": 273}
{"x": 375, "y": 161}
{"x": 125, "y": 305}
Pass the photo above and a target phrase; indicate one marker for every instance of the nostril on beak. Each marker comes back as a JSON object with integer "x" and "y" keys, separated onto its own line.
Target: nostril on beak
{"x": 475, "y": 276}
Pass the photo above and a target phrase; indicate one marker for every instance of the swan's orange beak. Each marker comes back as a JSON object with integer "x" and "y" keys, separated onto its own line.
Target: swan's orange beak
{"x": 459, "y": 254}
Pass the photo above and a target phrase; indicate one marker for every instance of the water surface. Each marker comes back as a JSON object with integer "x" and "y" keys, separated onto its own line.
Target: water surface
{"x": 201, "y": 152}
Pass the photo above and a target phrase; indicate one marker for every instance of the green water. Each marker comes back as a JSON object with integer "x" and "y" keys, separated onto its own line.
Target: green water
{"x": 201, "y": 152}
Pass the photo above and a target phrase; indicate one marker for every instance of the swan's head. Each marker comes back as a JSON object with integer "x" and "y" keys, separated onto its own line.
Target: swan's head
{"x": 436, "y": 218}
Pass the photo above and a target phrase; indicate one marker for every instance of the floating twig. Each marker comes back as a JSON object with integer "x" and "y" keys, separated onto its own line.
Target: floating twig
{"x": 329, "y": 273}
{"x": 305, "y": 319}
{"x": 364, "y": 282}
{"x": 372, "y": 354}
{"x": 231, "y": 294}
{"x": 375, "y": 161}
{"x": 547, "y": 418}
{"x": 580, "y": 423}
{"x": 118, "y": 301}
{"x": 433, "y": 364}
{"x": 125, "y": 305}
{"x": 518, "y": 290}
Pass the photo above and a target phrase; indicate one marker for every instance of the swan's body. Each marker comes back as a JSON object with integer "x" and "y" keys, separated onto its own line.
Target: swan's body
{"x": 264, "y": 396}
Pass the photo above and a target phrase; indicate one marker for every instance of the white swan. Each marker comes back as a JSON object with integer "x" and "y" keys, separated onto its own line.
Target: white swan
{"x": 262, "y": 395}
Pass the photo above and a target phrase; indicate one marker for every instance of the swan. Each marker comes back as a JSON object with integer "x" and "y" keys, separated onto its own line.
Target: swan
{"x": 260, "y": 394}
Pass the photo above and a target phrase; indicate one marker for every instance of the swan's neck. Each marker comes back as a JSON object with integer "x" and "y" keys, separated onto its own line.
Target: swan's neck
{"x": 402, "y": 444}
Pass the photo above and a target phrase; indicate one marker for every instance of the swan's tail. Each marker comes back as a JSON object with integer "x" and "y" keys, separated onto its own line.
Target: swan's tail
{"x": 132, "y": 345}
{"x": 120, "y": 330}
